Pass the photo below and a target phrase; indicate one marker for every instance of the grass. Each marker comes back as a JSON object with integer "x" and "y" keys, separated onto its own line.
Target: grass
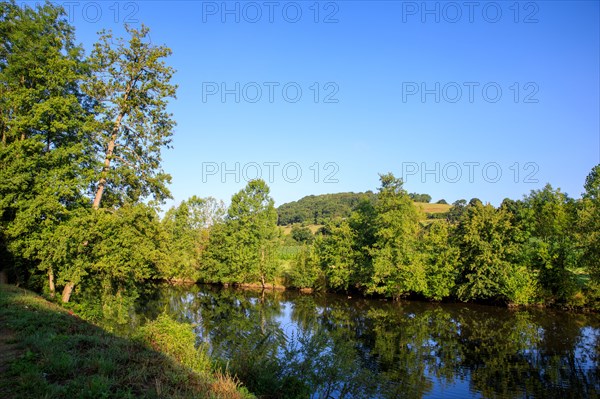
{"x": 287, "y": 230}
{"x": 434, "y": 208}
{"x": 49, "y": 352}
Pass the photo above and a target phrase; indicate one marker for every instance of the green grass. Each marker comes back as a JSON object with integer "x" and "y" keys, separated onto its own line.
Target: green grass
{"x": 48, "y": 352}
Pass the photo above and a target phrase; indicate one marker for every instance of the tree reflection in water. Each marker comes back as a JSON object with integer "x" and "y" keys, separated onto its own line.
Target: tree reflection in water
{"x": 284, "y": 344}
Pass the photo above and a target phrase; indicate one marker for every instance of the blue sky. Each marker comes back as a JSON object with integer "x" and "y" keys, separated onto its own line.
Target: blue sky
{"x": 489, "y": 100}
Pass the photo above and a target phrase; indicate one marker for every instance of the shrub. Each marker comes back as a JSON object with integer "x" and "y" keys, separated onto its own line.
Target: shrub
{"x": 176, "y": 340}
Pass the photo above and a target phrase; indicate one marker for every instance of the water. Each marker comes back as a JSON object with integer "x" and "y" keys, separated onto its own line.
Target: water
{"x": 286, "y": 344}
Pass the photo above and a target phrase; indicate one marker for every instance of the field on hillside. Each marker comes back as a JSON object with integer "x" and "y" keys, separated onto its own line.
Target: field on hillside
{"x": 434, "y": 208}
{"x": 287, "y": 230}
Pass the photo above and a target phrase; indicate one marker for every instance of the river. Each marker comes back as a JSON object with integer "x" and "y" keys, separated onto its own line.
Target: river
{"x": 288, "y": 344}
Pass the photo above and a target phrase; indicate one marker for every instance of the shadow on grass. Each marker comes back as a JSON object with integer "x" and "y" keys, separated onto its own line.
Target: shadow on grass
{"x": 55, "y": 354}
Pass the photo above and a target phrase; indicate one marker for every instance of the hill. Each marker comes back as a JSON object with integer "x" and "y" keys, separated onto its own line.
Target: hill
{"x": 318, "y": 209}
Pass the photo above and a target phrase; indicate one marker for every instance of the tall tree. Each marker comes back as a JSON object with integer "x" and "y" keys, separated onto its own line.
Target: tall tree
{"x": 188, "y": 227}
{"x": 44, "y": 147}
{"x": 253, "y": 213}
{"x": 131, "y": 85}
{"x": 397, "y": 265}
{"x": 489, "y": 255}
{"x": 362, "y": 221}
{"x": 243, "y": 249}
{"x": 589, "y": 225}
{"x": 441, "y": 260}
{"x": 336, "y": 254}
{"x": 549, "y": 221}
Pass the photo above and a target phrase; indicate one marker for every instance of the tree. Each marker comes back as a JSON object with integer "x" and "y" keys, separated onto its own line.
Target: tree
{"x": 549, "y": 220}
{"x": 397, "y": 265}
{"x": 420, "y": 197}
{"x": 113, "y": 249}
{"x": 589, "y": 224}
{"x": 306, "y": 269}
{"x": 188, "y": 228}
{"x": 243, "y": 248}
{"x": 441, "y": 260}
{"x": 336, "y": 254}
{"x": 131, "y": 85}
{"x": 363, "y": 224}
{"x": 302, "y": 234}
{"x": 455, "y": 213}
{"x": 44, "y": 145}
{"x": 128, "y": 88}
{"x": 319, "y": 209}
{"x": 489, "y": 255}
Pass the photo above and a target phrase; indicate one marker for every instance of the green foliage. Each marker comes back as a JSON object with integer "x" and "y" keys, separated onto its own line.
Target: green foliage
{"x": 397, "y": 265}
{"x": 455, "y": 213}
{"x": 334, "y": 249}
{"x": 188, "y": 228}
{"x": 306, "y": 268}
{"x": 318, "y": 209}
{"x": 362, "y": 223}
{"x": 177, "y": 340}
{"x": 130, "y": 85}
{"x": 243, "y": 249}
{"x": 302, "y": 234}
{"x": 548, "y": 220}
{"x": 441, "y": 260}
{"x": 44, "y": 135}
{"x": 122, "y": 247}
{"x": 420, "y": 197}
{"x": 79, "y": 133}
{"x": 489, "y": 255}
{"x": 64, "y": 120}
{"x": 588, "y": 221}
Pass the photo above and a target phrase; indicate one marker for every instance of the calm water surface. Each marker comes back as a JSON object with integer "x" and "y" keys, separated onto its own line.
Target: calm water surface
{"x": 362, "y": 348}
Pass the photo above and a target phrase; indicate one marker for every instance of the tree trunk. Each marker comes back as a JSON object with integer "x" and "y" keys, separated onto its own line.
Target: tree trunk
{"x": 66, "y": 295}
{"x": 51, "y": 282}
{"x": 262, "y": 266}
{"x": 106, "y": 168}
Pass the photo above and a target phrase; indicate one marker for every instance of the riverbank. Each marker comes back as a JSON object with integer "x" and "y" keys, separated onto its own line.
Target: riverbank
{"x": 48, "y": 351}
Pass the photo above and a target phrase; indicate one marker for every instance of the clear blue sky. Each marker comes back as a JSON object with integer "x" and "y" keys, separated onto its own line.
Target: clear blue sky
{"x": 375, "y": 58}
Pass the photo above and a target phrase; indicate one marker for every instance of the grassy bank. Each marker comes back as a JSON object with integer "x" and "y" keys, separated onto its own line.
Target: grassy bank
{"x": 48, "y": 352}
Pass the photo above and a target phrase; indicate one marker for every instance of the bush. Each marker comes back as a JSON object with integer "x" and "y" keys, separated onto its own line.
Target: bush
{"x": 521, "y": 287}
{"x": 302, "y": 234}
{"x": 176, "y": 340}
{"x": 305, "y": 269}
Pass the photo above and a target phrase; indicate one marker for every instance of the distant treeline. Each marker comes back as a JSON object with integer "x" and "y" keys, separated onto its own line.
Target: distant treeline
{"x": 319, "y": 209}
{"x": 542, "y": 249}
